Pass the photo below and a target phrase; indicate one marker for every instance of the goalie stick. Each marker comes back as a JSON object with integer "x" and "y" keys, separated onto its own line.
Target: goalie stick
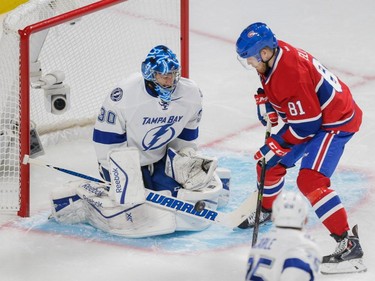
{"x": 231, "y": 219}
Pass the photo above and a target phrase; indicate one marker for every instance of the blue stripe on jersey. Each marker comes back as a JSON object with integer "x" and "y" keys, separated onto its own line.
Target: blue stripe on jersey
{"x": 282, "y": 115}
{"x": 107, "y": 137}
{"x": 189, "y": 134}
{"x": 306, "y": 128}
{"x": 329, "y": 205}
{"x": 300, "y": 264}
{"x": 325, "y": 92}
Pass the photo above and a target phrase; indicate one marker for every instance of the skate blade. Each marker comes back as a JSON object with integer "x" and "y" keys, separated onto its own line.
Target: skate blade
{"x": 349, "y": 266}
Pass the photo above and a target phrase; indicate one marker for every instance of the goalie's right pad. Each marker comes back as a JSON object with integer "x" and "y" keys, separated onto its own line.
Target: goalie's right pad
{"x": 67, "y": 206}
{"x": 190, "y": 170}
{"x": 131, "y": 221}
{"x": 210, "y": 194}
{"x": 127, "y": 186}
{"x": 225, "y": 177}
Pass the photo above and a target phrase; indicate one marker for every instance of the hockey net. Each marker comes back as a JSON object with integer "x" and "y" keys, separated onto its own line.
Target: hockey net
{"x": 92, "y": 45}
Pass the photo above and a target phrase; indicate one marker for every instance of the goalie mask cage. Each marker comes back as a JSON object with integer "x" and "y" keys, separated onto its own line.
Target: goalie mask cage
{"x": 95, "y": 44}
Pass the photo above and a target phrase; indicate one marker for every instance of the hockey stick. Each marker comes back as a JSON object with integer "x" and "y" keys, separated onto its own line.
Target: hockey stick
{"x": 260, "y": 189}
{"x": 230, "y": 219}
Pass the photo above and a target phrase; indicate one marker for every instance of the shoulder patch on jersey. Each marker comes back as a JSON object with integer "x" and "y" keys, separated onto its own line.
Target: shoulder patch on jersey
{"x": 116, "y": 94}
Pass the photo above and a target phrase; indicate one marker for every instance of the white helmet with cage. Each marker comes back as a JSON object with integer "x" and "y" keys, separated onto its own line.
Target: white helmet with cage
{"x": 289, "y": 210}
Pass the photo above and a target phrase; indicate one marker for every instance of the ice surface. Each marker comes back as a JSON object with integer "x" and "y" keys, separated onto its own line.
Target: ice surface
{"x": 338, "y": 32}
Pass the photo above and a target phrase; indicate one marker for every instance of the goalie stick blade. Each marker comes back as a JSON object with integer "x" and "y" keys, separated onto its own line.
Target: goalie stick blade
{"x": 236, "y": 217}
{"x": 348, "y": 266}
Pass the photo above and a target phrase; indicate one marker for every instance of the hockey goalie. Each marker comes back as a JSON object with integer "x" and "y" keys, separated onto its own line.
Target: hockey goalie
{"x": 145, "y": 139}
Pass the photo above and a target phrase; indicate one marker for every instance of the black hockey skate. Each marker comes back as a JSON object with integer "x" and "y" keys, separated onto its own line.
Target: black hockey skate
{"x": 347, "y": 257}
{"x": 250, "y": 221}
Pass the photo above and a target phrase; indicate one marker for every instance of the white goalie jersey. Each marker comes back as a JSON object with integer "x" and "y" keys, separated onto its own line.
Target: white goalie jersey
{"x": 132, "y": 116}
{"x": 284, "y": 254}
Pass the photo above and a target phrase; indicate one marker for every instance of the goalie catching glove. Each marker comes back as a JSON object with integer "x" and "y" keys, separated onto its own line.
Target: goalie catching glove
{"x": 190, "y": 170}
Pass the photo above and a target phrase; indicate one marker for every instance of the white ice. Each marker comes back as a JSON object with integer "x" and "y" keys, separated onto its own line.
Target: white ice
{"x": 340, "y": 33}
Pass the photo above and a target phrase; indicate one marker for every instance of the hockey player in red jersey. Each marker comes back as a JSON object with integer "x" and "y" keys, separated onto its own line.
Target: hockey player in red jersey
{"x": 320, "y": 117}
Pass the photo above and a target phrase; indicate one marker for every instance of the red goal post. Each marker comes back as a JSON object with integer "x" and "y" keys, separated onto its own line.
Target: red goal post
{"x": 147, "y": 18}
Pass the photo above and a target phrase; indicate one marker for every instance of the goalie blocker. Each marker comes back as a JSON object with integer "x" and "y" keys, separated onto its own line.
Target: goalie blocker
{"x": 121, "y": 210}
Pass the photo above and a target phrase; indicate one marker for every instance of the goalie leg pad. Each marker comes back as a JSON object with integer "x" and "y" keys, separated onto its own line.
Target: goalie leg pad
{"x": 210, "y": 194}
{"x": 126, "y": 177}
{"x": 225, "y": 176}
{"x": 67, "y": 206}
{"x": 128, "y": 221}
{"x": 131, "y": 221}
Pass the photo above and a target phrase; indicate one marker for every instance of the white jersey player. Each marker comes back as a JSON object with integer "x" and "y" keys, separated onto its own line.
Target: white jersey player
{"x": 286, "y": 252}
{"x": 146, "y": 133}
{"x": 153, "y": 112}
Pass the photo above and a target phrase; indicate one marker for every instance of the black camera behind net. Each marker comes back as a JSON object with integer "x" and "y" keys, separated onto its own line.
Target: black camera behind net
{"x": 59, "y": 104}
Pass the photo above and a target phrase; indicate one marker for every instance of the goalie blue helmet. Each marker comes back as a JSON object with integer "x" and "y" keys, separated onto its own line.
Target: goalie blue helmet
{"x": 161, "y": 60}
{"x": 253, "y": 39}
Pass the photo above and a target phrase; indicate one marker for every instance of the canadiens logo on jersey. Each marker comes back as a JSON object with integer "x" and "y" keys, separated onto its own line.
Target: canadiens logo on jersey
{"x": 158, "y": 137}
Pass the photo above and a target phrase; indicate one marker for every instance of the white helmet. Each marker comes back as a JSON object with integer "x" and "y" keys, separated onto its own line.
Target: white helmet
{"x": 289, "y": 210}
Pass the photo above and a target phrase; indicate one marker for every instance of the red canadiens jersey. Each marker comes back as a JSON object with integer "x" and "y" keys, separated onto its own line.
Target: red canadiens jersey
{"x": 308, "y": 96}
